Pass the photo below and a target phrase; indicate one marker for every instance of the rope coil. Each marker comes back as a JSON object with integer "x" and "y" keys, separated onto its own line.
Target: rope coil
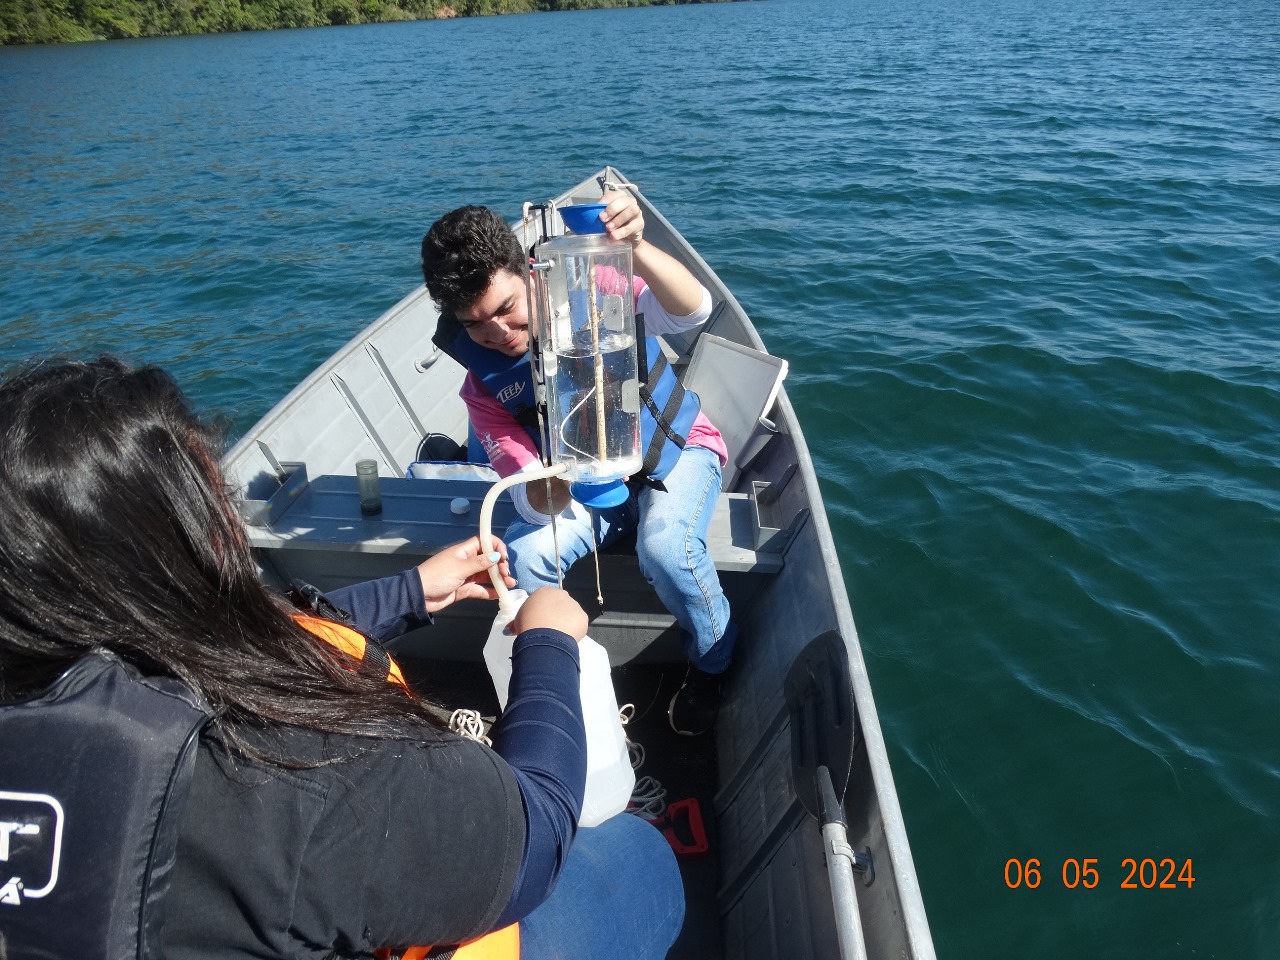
{"x": 469, "y": 725}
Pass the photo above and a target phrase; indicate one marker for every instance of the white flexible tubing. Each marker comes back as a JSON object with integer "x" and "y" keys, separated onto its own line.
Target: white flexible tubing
{"x": 486, "y": 518}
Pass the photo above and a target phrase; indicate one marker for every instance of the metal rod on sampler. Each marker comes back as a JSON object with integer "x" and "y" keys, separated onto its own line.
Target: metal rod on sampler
{"x": 593, "y": 318}
{"x": 535, "y": 349}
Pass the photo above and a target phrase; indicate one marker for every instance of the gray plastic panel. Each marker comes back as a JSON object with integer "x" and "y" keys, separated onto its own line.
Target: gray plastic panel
{"x": 738, "y": 386}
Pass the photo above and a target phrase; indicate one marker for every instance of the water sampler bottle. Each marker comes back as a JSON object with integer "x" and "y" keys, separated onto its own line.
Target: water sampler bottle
{"x": 581, "y": 290}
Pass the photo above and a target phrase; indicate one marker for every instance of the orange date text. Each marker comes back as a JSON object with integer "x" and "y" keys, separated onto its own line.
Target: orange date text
{"x": 1146, "y": 873}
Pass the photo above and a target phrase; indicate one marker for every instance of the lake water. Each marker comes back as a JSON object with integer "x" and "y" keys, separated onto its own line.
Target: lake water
{"x": 1023, "y": 258}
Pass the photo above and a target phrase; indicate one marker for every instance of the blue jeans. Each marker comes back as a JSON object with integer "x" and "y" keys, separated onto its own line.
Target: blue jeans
{"x": 671, "y": 544}
{"x": 619, "y": 896}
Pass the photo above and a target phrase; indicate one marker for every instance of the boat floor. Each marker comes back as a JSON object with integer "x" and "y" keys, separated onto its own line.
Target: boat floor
{"x": 685, "y": 766}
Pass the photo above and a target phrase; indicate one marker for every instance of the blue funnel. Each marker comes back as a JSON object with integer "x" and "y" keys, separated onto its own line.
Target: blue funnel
{"x": 583, "y": 217}
{"x": 599, "y": 494}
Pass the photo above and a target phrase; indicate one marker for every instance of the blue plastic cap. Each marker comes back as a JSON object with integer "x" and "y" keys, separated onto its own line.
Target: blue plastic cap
{"x": 599, "y": 494}
{"x": 583, "y": 217}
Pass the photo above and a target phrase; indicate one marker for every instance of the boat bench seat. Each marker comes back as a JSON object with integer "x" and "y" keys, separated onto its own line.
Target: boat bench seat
{"x": 323, "y": 514}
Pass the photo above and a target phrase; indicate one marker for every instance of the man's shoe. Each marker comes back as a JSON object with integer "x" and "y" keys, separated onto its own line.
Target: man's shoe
{"x": 694, "y": 707}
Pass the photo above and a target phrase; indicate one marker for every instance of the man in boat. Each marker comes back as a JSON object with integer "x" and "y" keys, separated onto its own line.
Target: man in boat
{"x": 475, "y": 272}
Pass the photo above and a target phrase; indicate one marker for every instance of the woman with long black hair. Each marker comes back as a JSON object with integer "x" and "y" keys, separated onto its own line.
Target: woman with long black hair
{"x": 318, "y": 808}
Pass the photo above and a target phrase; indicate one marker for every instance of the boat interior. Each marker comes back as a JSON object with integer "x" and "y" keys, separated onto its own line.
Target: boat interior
{"x": 738, "y": 801}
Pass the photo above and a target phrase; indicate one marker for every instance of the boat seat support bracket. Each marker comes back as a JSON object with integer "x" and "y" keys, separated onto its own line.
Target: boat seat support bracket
{"x": 292, "y": 479}
{"x": 769, "y": 533}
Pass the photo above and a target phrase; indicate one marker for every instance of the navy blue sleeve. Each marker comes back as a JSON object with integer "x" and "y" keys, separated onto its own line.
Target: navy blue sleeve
{"x": 542, "y": 737}
{"x": 385, "y": 608}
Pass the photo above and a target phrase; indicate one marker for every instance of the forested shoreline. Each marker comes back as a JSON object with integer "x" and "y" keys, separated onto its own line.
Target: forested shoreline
{"x": 63, "y": 21}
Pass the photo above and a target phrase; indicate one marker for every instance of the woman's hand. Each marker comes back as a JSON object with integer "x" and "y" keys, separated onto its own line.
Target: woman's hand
{"x": 622, "y": 218}
{"x": 551, "y": 608}
{"x": 461, "y": 572}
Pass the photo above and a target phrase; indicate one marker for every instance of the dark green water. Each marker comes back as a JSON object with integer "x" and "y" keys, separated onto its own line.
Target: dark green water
{"x": 1024, "y": 260}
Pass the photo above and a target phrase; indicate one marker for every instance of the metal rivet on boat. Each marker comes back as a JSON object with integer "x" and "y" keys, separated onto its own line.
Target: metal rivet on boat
{"x": 460, "y": 505}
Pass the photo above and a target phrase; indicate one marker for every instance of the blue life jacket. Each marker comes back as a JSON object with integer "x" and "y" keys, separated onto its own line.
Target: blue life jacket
{"x": 94, "y": 773}
{"x": 666, "y": 416}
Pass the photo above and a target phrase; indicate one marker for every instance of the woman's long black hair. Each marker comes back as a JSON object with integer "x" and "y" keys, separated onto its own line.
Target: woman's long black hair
{"x": 117, "y": 530}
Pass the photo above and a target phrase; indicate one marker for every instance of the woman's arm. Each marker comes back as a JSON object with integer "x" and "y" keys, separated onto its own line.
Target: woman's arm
{"x": 387, "y": 607}
{"x": 541, "y": 734}
{"x": 384, "y": 608}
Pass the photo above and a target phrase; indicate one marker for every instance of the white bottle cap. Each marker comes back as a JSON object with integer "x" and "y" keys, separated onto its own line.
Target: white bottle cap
{"x": 460, "y": 505}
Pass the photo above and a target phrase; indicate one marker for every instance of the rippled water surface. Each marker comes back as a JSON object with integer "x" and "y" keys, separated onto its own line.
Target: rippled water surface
{"x": 1023, "y": 259}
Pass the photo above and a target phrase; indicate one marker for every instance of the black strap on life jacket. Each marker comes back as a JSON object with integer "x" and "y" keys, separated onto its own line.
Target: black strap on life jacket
{"x": 376, "y": 661}
{"x": 94, "y": 774}
{"x": 663, "y": 417}
{"x": 306, "y": 597}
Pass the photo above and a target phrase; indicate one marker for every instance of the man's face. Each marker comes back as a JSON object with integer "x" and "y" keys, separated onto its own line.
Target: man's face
{"x": 499, "y": 318}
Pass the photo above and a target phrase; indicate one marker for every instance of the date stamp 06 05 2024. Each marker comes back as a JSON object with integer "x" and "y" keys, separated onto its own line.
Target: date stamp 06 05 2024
{"x": 1144, "y": 874}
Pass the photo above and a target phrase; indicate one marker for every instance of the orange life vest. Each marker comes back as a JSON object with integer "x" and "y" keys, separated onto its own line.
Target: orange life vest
{"x": 351, "y": 642}
{"x": 501, "y": 944}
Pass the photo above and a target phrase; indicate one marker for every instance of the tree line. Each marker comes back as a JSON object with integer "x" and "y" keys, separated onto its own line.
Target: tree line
{"x": 61, "y": 21}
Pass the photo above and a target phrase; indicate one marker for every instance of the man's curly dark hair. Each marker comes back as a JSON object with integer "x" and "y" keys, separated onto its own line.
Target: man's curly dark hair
{"x": 461, "y": 253}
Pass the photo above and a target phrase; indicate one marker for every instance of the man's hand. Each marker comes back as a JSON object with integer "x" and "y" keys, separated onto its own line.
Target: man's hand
{"x": 622, "y": 218}
{"x": 676, "y": 288}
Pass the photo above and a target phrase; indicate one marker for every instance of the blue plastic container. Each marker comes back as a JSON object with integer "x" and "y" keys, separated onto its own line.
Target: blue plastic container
{"x": 599, "y": 494}
{"x": 583, "y": 217}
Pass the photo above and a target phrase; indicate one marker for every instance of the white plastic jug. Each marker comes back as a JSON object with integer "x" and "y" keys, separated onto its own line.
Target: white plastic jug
{"x": 610, "y": 779}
